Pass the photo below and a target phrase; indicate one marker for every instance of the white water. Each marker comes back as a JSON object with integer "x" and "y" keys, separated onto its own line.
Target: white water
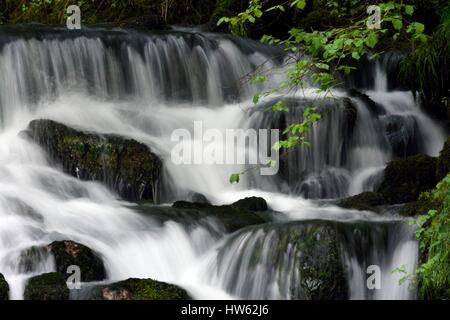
{"x": 81, "y": 82}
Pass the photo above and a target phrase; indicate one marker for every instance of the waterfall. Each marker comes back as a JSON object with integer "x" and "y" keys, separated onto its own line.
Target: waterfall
{"x": 144, "y": 86}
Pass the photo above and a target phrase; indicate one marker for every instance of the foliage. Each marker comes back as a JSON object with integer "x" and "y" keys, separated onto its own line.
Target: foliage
{"x": 317, "y": 57}
{"x": 434, "y": 236}
{"x": 427, "y": 68}
{"x": 96, "y": 11}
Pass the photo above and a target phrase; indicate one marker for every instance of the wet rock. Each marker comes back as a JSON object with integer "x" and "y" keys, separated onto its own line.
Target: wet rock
{"x": 65, "y": 254}
{"x": 146, "y": 22}
{"x": 364, "y": 201}
{"x": 233, "y": 218}
{"x": 401, "y": 132}
{"x": 141, "y": 289}
{"x": 191, "y": 205}
{"x": 48, "y": 286}
{"x": 4, "y": 288}
{"x": 69, "y": 253}
{"x": 374, "y": 107}
{"x": 198, "y": 198}
{"x": 322, "y": 273}
{"x": 419, "y": 207}
{"x": 443, "y": 161}
{"x": 405, "y": 179}
{"x": 251, "y": 203}
{"x": 311, "y": 250}
{"x": 351, "y": 115}
{"x": 124, "y": 165}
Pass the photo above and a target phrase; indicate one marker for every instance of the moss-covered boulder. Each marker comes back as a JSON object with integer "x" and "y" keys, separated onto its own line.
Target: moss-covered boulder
{"x": 4, "y": 288}
{"x": 419, "y": 207}
{"x": 443, "y": 161}
{"x": 364, "y": 201}
{"x": 310, "y": 250}
{"x": 322, "y": 273}
{"x": 232, "y": 217}
{"x": 405, "y": 179}
{"x": 65, "y": 253}
{"x": 252, "y": 204}
{"x": 141, "y": 289}
{"x": 124, "y": 165}
{"x": 69, "y": 253}
{"x": 48, "y": 286}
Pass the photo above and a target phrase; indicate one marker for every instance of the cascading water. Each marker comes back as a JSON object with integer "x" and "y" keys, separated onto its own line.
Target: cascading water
{"x": 144, "y": 86}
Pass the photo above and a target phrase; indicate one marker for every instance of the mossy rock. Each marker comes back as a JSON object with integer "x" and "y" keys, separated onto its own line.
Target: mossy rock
{"x": 252, "y": 204}
{"x": 141, "y": 289}
{"x": 443, "y": 161}
{"x": 48, "y": 286}
{"x": 367, "y": 201}
{"x": 4, "y": 288}
{"x": 310, "y": 249}
{"x": 322, "y": 272}
{"x": 419, "y": 207}
{"x": 405, "y": 179}
{"x": 124, "y": 165}
{"x": 232, "y": 217}
{"x": 69, "y": 253}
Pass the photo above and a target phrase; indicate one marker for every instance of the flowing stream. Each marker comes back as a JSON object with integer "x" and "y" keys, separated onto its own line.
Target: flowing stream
{"x": 144, "y": 86}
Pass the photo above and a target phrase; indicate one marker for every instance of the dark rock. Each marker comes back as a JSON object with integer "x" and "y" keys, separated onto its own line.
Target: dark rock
{"x": 141, "y": 289}
{"x": 147, "y": 22}
{"x": 443, "y": 161}
{"x": 232, "y": 217}
{"x": 69, "y": 253}
{"x": 124, "y": 165}
{"x": 251, "y": 203}
{"x": 419, "y": 207}
{"x": 4, "y": 288}
{"x": 363, "y": 201}
{"x": 401, "y": 132}
{"x": 198, "y": 198}
{"x": 311, "y": 250}
{"x": 405, "y": 179}
{"x": 48, "y": 286}
{"x": 351, "y": 115}
{"x": 374, "y": 107}
{"x": 322, "y": 273}
{"x": 191, "y": 205}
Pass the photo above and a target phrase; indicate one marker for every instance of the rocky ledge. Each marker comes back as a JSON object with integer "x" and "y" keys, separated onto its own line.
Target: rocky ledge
{"x": 126, "y": 166}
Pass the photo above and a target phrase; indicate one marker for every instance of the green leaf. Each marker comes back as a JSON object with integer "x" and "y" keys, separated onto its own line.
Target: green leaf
{"x": 280, "y": 106}
{"x": 397, "y": 24}
{"x": 234, "y": 178}
{"x": 372, "y": 40}
{"x": 223, "y": 20}
{"x": 256, "y": 98}
{"x": 356, "y": 55}
{"x": 300, "y": 4}
{"x": 409, "y": 10}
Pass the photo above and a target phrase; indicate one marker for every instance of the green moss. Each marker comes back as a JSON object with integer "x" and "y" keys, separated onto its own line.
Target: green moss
{"x": 4, "y": 288}
{"x": 69, "y": 253}
{"x": 126, "y": 166}
{"x": 48, "y": 286}
{"x": 419, "y": 207}
{"x": 405, "y": 179}
{"x": 443, "y": 161}
{"x": 363, "y": 201}
{"x": 143, "y": 289}
{"x": 232, "y": 217}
